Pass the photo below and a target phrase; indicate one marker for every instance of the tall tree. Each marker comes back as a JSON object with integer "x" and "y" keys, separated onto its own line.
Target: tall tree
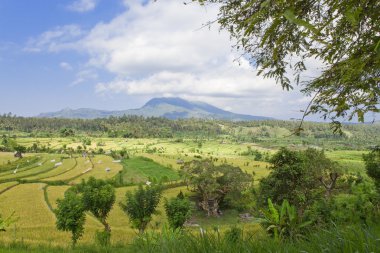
{"x": 70, "y": 215}
{"x": 98, "y": 198}
{"x": 140, "y": 205}
{"x": 280, "y": 36}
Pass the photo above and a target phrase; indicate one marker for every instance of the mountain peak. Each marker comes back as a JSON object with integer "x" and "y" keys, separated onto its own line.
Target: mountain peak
{"x": 175, "y": 101}
{"x": 167, "y": 107}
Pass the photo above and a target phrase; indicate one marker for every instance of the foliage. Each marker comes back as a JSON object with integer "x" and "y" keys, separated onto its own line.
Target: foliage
{"x": 178, "y": 210}
{"x": 141, "y": 205}
{"x": 372, "y": 165}
{"x": 283, "y": 222}
{"x": 103, "y": 238}
{"x": 280, "y": 38}
{"x": 66, "y": 132}
{"x": 266, "y": 132}
{"x": 70, "y": 215}
{"x": 98, "y": 197}
{"x": 358, "y": 206}
{"x": 335, "y": 239}
{"x": 213, "y": 182}
{"x": 297, "y": 176}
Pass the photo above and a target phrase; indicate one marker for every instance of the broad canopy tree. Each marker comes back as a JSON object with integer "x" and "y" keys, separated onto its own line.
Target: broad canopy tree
{"x": 213, "y": 182}
{"x": 279, "y": 37}
{"x": 300, "y": 177}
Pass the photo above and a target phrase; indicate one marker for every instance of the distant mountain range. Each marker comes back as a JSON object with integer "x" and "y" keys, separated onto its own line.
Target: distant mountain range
{"x": 171, "y": 108}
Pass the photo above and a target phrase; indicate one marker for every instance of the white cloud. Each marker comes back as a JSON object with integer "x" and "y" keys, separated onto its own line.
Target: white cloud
{"x": 158, "y": 49}
{"x": 82, "y": 5}
{"x": 83, "y": 76}
{"x": 56, "y": 40}
{"x": 65, "y": 66}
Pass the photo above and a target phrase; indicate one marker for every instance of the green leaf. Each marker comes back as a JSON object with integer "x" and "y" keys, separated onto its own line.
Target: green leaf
{"x": 290, "y": 16}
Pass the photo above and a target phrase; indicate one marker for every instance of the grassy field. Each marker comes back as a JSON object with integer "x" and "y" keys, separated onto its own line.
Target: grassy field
{"x": 140, "y": 169}
{"x": 149, "y": 158}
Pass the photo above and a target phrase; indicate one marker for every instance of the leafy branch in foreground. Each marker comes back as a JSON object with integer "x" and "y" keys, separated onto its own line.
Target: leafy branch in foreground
{"x": 283, "y": 38}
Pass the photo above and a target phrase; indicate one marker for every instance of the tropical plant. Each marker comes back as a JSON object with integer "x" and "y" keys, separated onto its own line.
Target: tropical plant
{"x": 284, "y": 222}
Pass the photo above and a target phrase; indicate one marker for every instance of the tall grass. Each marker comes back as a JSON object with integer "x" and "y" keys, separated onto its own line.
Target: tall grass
{"x": 335, "y": 240}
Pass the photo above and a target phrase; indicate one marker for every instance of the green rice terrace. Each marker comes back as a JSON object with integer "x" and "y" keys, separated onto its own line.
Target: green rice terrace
{"x": 35, "y": 176}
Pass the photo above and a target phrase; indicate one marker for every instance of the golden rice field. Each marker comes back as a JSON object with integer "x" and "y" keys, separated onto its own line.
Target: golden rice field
{"x": 36, "y": 223}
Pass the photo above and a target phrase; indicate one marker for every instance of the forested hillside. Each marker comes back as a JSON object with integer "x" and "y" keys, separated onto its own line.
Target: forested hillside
{"x": 273, "y": 132}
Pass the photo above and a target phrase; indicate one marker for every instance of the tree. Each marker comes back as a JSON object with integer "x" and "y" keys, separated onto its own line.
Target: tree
{"x": 98, "y": 197}
{"x": 299, "y": 177}
{"x": 372, "y": 165}
{"x": 178, "y": 210}
{"x": 19, "y": 151}
{"x": 67, "y": 132}
{"x": 140, "y": 205}
{"x": 213, "y": 183}
{"x": 70, "y": 215}
{"x": 279, "y": 37}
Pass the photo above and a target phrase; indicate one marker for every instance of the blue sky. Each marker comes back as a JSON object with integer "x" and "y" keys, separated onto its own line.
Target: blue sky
{"x": 117, "y": 54}
{"x": 34, "y": 82}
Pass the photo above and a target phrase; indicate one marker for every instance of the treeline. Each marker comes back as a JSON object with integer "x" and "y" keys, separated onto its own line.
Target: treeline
{"x": 140, "y": 127}
{"x": 126, "y": 126}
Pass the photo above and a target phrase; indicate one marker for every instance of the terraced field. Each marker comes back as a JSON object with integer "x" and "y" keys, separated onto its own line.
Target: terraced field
{"x": 82, "y": 166}
{"x": 67, "y": 164}
{"x": 31, "y": 191}
{"x": 103, "y": 167}
{"x": 44, "y": 165}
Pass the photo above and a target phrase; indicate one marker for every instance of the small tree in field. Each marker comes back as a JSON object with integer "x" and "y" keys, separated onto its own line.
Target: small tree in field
{"x": 141, "y": 205}
{"x": 178, "y": 210}
{"x": 70, "y": 215}
{"x": 98, "y": 198}
{"x": 19, "y": 151}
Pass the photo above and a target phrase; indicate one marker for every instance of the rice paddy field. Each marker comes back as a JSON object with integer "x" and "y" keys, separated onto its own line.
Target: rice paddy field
{"x": 30, "y": 186}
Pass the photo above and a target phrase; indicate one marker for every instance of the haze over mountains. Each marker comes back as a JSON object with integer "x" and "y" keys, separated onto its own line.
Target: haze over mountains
{"x": 171, "y": 108}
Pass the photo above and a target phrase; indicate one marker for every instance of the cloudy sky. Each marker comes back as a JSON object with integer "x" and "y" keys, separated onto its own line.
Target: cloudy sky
{"x": 117, "y": 54}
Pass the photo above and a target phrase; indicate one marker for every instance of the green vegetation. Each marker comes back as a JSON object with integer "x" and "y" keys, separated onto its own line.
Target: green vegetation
{"x": 141, "y": 205}
{"x": 142, "y": 169}
{"x": 178, "y": 211}
{"x": 315, "y": 184}
{"x": 70, "y": 215}
{"x": 372, "y": 165}
{"x": 280, "y": 37}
